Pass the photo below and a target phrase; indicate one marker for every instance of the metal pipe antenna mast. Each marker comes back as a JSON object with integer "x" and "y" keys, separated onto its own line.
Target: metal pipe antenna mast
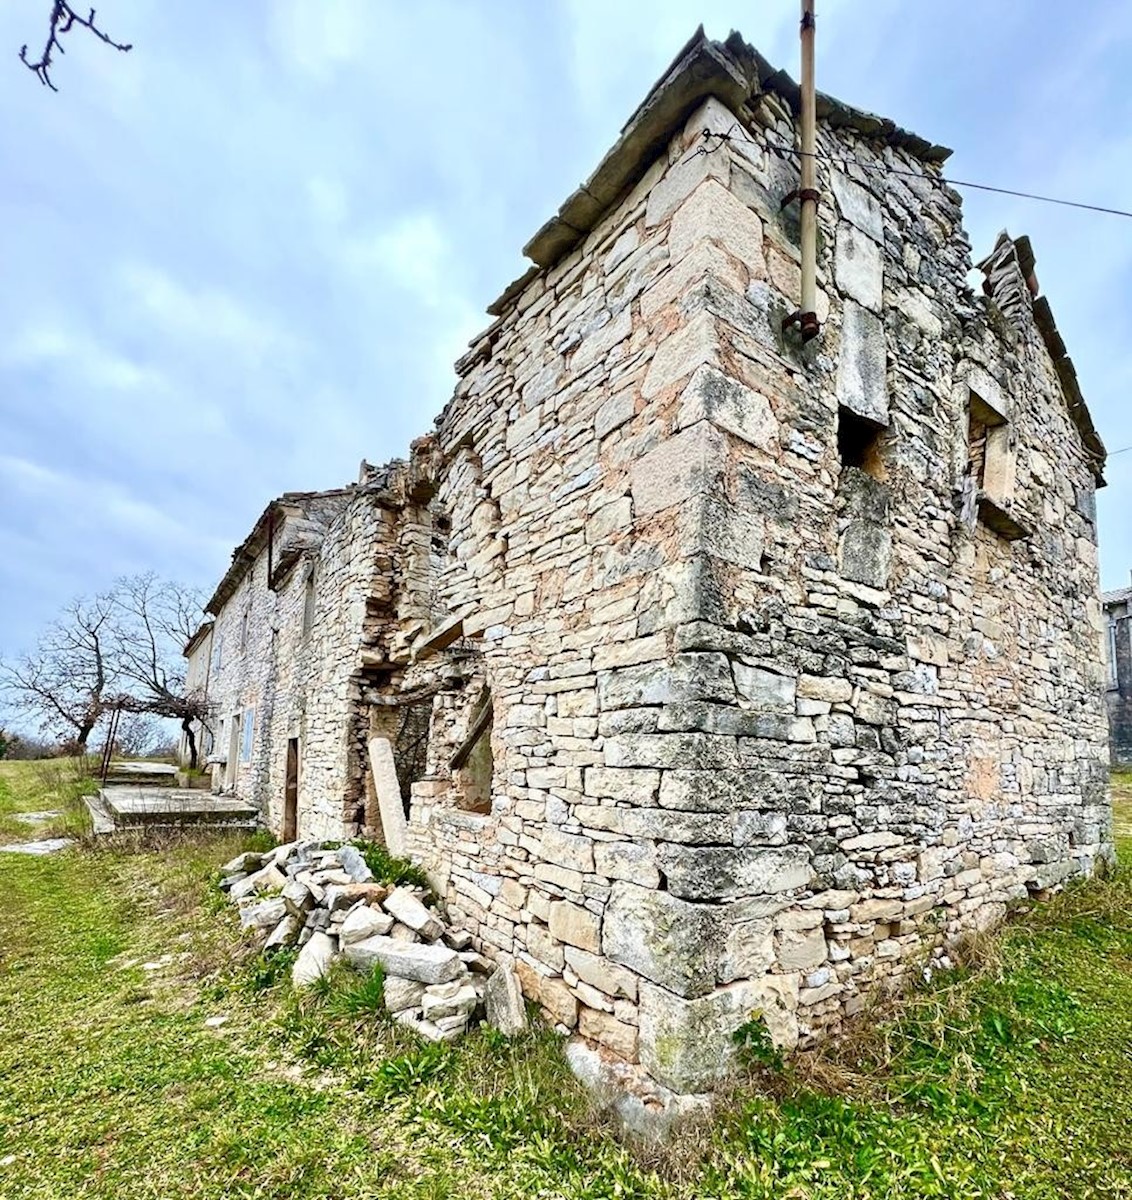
{"x": 806, "y": 317}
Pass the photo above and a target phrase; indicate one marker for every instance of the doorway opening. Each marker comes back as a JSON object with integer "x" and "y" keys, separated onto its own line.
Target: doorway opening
{"x": 291, "y": 792}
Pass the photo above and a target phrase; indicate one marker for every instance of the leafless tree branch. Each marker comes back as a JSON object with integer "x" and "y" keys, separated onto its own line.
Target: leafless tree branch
{"x": 63, "y": 20}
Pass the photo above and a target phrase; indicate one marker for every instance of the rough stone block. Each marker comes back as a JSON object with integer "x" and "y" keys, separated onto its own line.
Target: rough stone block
{"x": 406, "y": 908}
{"x": 865, "y": 554}
{"x": 858, "y": 267}
{"x": 725, "y": 402}
{"x": 407, "y": 960}
{"x": 314, "y": 959}
{"x": 503, "y": 1001}
{"x": 725, "y": 872}
{"x": 858, "y": 205}
{"x": 363, "y": 922}
{"x": 600, "y": 973}
{"x": 627, "y": 860}
{"x": 679, "y": 355}
{"x": 712, "y": 211}
{"x": 682, "y": 466}
{"x": 388, "y": 789}
{"x": 569, "y": 850}
{"x": 687, "y": 1044}
{"x": 765, "y": 689}
{"x": 663, "y": 938}
{"x": 402, "y": 994}
{"x": 800, "y": 949}
{"x": 606, "y": 1030}
{"x": 574, "y": 925}
{"x": 862, "y": 384}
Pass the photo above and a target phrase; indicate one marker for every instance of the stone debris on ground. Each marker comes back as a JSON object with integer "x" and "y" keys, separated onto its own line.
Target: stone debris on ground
{"x": 321, "y": 898}
{"x": 46, "y": 846}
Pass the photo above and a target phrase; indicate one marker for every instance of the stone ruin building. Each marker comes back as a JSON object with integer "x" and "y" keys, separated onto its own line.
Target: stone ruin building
{"x": 707, "y": 673}
{"x": 1117, "y": 606}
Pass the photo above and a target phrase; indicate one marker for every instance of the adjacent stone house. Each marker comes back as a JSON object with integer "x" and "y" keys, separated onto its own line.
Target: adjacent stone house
{"x": 1118, "y": 657}
{"x": 720, "y": 674}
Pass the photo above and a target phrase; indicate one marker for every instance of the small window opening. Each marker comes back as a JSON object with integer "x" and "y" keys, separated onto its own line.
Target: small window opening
{"x": 859, "y": 443}
{"x": 991, "y": 469}
{"x": 308, "y": 606}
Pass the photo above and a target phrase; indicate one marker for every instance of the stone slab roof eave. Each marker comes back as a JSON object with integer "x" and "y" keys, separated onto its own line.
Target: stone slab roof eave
{"x": 1067, "y": 375}
{"x": 732, "y": 72}
{"x": 246, "y": 553}
{"x": 198, "y": 637}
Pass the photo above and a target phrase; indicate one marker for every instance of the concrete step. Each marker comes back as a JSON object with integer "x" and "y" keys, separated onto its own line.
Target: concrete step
{"x": 146, "y": 774}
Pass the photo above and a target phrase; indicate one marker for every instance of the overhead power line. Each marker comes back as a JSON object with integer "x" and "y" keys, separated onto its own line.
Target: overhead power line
{"x": 779, "y": 148}
{"x": 961, "y": 183}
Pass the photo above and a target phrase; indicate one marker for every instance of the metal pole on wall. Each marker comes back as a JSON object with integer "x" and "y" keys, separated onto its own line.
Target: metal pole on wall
{"x": 808, "y": 193}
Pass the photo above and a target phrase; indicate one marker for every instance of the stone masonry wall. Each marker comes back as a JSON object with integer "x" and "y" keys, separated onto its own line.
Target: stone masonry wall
{"x": 784, "y": 690}
{"x": 304, "y": 682}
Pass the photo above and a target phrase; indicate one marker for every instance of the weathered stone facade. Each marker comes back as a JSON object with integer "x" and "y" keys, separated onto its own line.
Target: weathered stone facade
{"x": 1118, "y": 695}
{"x": 787, "y": 659}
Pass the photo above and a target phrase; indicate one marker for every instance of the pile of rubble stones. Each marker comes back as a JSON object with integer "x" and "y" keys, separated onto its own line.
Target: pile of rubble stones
{"x": 322, "y": 897}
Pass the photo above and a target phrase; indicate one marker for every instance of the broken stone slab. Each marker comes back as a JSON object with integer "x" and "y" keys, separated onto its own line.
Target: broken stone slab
{"x": 315, "y": 959}
{"x": 427, "y": 1030}
{"x": 333, "y": 877}
{"x": 344, "y": 895}
{"x": 407, "y": 960}
{"x": 391, "y": 808}
{"x": 298, "y": 898}
{"x": 36, "y": 818}
{"x": 454, "y": 999}
{"x": 363, "y": 922}
{"x": 477, "y": 962}
{"x": 402, "y": 994}
{"x": 458, "y": 939}
{"x": 265, "y": 915}
{"x": 286, "y": 933}
{"x": 354, "y": 864}
{"x": 266, "y": 879}
{"x": 306, "y": 878}
{"x": 403, "y": 905}
{"x": 47, "y": 846}
{"x": 503, "y": 1001}
{"x": 402, "y": 933}
{"x": 282, "y": 855}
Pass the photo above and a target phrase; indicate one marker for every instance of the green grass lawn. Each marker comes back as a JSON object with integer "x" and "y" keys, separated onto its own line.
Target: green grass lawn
{"x": 1010, "y": 1079}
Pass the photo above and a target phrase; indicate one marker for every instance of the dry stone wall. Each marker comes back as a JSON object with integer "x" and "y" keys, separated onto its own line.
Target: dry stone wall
{"x": 724, "y": 676}
{"x": 778, "y": 705}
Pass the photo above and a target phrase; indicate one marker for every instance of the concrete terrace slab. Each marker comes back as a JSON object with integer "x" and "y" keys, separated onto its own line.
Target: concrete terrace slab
{"x": 128, "y": 806}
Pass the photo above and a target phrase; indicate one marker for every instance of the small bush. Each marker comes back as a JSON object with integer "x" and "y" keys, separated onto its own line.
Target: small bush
{"x": 386, "y": 868}
{"x": 756, "y": 1048}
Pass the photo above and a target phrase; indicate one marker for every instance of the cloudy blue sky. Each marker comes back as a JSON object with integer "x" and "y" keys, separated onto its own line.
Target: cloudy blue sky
{"x": 244, "y": 256}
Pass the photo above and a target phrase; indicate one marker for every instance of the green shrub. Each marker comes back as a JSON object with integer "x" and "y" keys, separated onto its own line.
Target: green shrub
{"x": 386, "y": 868}
{"x": 756, "y": 1047}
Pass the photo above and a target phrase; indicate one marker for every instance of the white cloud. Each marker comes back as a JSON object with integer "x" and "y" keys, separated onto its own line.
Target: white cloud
{"x": 46, "y": 342}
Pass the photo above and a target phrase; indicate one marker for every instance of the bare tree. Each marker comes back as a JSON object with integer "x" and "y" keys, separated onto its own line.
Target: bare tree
{"x": 64, "y": 683}
{"x": 153, "y": 621}
{"x": 63, "y": 20}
